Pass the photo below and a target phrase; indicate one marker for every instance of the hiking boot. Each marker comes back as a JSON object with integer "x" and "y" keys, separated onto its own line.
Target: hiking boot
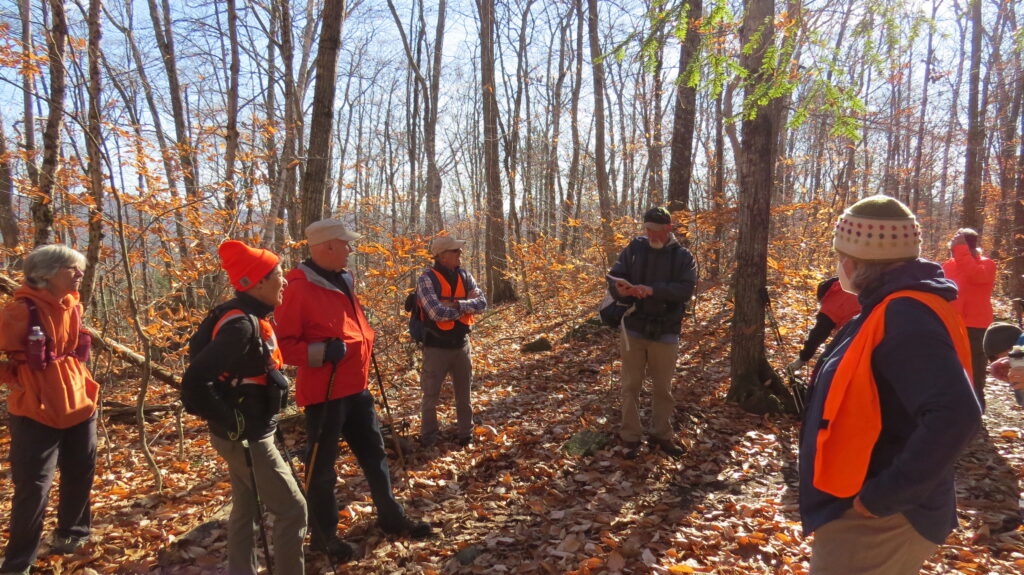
{"x": 337, "y": 550}
{"x": 632, "y": 449}
{"x": 667, "y": 446}
{"x": 67, "y": 545}
{"x": 406, "y": 527}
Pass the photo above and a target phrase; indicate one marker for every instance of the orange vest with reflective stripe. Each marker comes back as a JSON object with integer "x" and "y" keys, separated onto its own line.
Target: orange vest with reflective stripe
{"x": 267, "y": 336}
{"x": 852, "y": 414}
{"x": 446, "y": 293}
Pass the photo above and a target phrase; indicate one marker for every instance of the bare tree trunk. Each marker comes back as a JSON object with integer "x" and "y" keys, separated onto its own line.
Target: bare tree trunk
{"x": 231, "y": 131}
{"x": 680, "y": 169}
{"x": 431, "y": 92}
{"x": 552, "y": 168}
{"x": 499, "y": 285}
{"x": 718, "y": 192}
{"x": 314, "y": 180}
{"x": 28, "y": 87}
{"x": 753, "y": 382}
{"x": 92, "y": 146}
{"x": 42, "y": 204}
{"x": 600, "y": 163}
{"x": 8, "y": 219}
{"x": 165, "y": 42}
{"x": 572, "y": 195}
{"x": 972, "y": 216}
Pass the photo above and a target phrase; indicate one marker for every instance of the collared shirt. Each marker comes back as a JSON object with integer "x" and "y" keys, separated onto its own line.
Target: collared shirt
{"x": 438, "y": 311}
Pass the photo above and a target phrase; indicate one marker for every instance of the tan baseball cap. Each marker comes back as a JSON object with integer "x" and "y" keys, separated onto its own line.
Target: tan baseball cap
{"x": 445, "y": 243}
{"x": 329, "y": 229}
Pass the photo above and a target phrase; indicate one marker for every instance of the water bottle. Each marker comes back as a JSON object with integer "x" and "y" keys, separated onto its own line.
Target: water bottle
{"x": 1017, "y": 360}
{"x": 35, "y": 348}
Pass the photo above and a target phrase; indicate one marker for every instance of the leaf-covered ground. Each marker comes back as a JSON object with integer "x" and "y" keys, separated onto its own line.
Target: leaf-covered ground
{"x": 515, "y": 501}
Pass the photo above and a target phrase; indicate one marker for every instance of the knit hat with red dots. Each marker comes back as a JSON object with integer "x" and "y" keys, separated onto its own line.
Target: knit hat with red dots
{"x": 878, "y": 229}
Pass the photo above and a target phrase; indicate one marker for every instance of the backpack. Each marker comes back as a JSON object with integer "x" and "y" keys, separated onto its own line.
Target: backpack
{"x": 202, "y": 338}
{"x": 415, "y": 311}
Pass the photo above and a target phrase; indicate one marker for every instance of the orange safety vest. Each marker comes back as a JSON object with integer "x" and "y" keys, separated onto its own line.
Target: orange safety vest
{"x": 446, "y": 293}
{"x": 852, "y": 414}
{"x": 268, "y": 337}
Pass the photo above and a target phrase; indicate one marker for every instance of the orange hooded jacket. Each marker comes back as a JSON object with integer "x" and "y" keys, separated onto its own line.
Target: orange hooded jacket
{"x": 852, "y": 411}
{"x": 62, "y": 395}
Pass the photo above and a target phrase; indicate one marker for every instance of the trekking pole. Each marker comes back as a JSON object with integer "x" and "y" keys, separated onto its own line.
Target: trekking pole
{"x": 295, "y": 475}
{"x": 316, "y": 439}
{"x": 259, "y": 505}
{"x": 793, "y": 382}
{"x": 395, "y": 435}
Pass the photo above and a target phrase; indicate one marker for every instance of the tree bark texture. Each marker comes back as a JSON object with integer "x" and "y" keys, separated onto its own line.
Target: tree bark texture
{"x": 600, "y": 162}
{"x": 971, "y": 216}
{"x": 753, "y": 380}
{"x": 92, "y": 146}
{"x": 680, "y": 169}
{"x": 499, "y": 286}
{"x": 314, "y": 180}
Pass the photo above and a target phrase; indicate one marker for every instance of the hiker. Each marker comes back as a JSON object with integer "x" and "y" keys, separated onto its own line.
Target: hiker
{"x": 836, "y": 306}
{"x": 891, "y": 405}
{"x": 323, "y": 331}
{"x": 236, "y": 385}
{"x": 1000, "y": 338}
{"x": 657, "y": 276}
{"x": 975, "y": 277}
{"x": 51, "y": 404}
{"x": 449, "y": 299}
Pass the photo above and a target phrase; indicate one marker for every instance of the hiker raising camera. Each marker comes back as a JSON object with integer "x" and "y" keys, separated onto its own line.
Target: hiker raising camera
{"x": 448, "y": 299}
{"x": 234, "y": 383}
{"x": 975, "y": 278}
{"x": 324, "y": 332}
{"x": 52, "y": 405}
{"x": 657, "y": 276}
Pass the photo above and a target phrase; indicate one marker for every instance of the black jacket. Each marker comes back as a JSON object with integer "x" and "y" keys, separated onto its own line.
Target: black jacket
{"x": 670, "y": 271}
{"x": 238, "y": 351}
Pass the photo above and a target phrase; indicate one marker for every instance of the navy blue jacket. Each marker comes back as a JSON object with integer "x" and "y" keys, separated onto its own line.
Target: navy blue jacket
{"x": 928, "y": 408}
{"x": 670, "y": 271}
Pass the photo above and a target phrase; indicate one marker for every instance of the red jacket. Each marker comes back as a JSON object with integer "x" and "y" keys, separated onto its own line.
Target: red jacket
{"x": 839, "y": 305}
{"x": 974, "y": 279}
{"x": 313, "y": 311}
{"x": 62, "y": 395}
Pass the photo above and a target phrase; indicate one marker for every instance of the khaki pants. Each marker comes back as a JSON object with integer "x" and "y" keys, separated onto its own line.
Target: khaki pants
{"x": 858, "y": 545}
{"x": 437, "y": 364}
{"x": 646, "y": 357}
{"x": 279, "y": 494}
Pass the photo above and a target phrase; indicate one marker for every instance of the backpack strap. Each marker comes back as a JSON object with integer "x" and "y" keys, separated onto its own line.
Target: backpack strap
{"x": 257, "y": 341}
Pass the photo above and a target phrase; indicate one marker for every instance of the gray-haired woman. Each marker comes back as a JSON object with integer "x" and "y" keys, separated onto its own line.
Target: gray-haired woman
{"x": 52, "y": 405}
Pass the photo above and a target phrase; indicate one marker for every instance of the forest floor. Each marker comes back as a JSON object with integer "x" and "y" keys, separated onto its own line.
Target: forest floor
{"x": 515, "y": 501}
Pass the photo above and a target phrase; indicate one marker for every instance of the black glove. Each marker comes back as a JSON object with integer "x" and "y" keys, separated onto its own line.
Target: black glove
{"x": 334, "y": 351}
{"x": 277, "y": 391}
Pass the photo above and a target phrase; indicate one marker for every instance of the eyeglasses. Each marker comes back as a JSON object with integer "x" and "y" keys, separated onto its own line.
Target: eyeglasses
{"x": 456, "y": 250}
